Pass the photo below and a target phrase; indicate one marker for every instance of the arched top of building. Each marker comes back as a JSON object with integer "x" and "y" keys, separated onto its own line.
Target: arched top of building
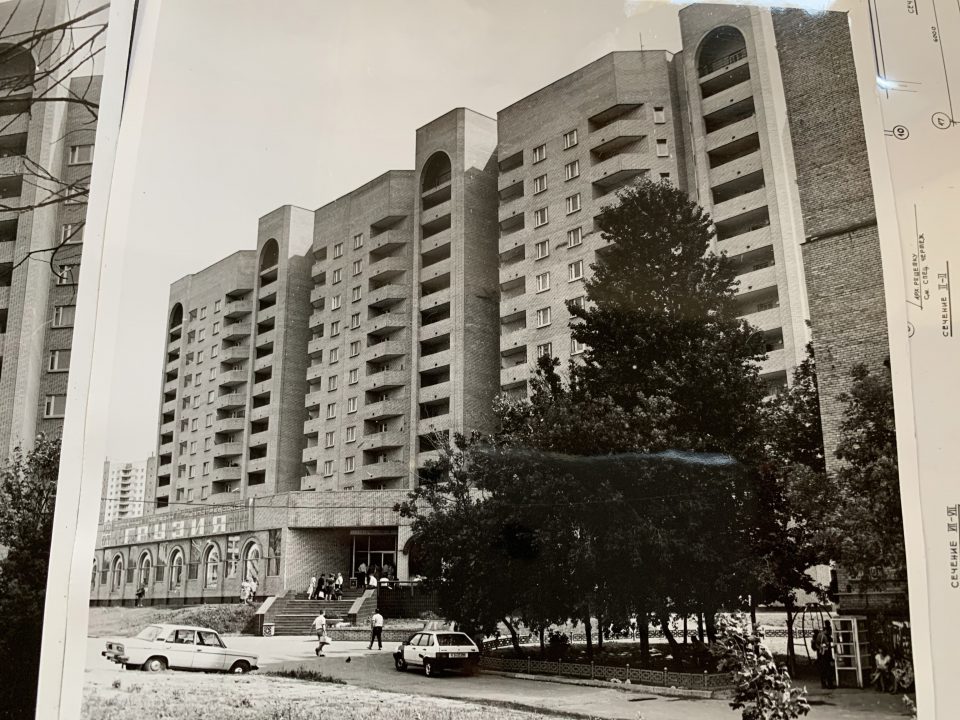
{"x": 211, "y": 553}
{"x": 176, "y": 316}
{"x": 145, "y": 558}
{"x": 721, "y": 46}
{"x": 17, "y": 69}
{"x": 176, "y": 554}
{"x": 269, "y": 255}
{"x": 436, "y": 171}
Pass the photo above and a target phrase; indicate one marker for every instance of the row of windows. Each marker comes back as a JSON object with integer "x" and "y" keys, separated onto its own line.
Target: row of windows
{"x": 574, "y": 272}
{"x": 357, "y": 244}
{"x": 571, "y": 138}
{"x": 541, "y": 216}
{"x": 574, "y": 239}
{"x": 545, "y": 315}
{"x": 201, "y": 334}
{"x": 546, "y": 349}
{"x": 349, "y": 465}
{"x": 202, "y": 311}
{"x": 570, "y": 171}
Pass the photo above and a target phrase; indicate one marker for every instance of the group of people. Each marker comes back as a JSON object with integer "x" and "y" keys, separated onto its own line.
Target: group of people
{"x": 248, "y": 590}
{"x": 320, "y": 627}
{"x": 373, "y": 576}
{"x": 326, "y": 587}
{"x": 890, "y": 673}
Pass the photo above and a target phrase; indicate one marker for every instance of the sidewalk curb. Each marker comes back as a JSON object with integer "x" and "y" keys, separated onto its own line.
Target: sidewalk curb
{"x": 623, "y": 687}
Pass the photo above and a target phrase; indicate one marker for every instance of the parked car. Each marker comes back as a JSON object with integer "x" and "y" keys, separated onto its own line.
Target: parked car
{"x": 182, "y": 647}
{"x": 436, "y": 651}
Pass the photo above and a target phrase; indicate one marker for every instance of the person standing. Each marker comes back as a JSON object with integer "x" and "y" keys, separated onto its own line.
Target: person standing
{"x": 825, "y": 658}
{"x": 313, "y": 587}
{"x": 338, "y": 584}
{"x": 362, "y": 575}
{"x": 141, "y": 591}
{"x": 320, "y": 626}
{"x": 376, "y": 630}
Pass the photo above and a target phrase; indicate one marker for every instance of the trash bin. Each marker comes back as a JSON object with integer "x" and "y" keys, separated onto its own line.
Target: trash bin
{"x": 268, "y": 629}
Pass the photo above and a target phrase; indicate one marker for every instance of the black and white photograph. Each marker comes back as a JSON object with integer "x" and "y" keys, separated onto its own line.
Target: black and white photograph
{"x": 468, "y": 360}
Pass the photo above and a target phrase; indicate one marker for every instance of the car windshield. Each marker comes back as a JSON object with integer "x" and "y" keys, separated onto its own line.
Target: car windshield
{"x": 205, "y": 637}
{"x": 453, "y": 639}
{"x": 149, "y": 633}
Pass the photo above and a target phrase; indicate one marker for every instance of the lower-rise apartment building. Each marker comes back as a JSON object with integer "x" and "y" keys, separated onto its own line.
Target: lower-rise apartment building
{"x": 307, "y": 381}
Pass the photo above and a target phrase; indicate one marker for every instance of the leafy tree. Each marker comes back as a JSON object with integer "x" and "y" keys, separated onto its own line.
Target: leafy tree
{"x": 795, "y": 432}
{"x": 27, "y": 491}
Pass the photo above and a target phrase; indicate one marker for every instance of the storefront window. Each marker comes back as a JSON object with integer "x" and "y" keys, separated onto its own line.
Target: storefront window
{"x": 117, "y": 573}
{"x": 176, "y": 570}
{"x": 212, "y": 567}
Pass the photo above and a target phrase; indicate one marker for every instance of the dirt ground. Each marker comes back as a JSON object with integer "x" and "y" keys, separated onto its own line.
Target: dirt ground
{"x": 191, "y": 696}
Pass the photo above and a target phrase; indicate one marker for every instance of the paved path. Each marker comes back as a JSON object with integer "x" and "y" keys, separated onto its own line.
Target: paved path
{"x": 374, "y": 669}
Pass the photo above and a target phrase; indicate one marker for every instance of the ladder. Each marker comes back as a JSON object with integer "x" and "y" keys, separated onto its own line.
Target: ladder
{"x": 851, "y": 652}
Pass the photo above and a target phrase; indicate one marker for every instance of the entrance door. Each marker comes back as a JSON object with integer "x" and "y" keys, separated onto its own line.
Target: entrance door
{"x": 377, "y": 551}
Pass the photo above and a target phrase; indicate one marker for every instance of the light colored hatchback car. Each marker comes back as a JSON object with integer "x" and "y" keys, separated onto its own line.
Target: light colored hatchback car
{"x": 436, "y": 651}
{"x": 183, "y": 647}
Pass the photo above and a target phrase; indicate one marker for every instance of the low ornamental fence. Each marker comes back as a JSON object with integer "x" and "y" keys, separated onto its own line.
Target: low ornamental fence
{"x": 590, "y": 671}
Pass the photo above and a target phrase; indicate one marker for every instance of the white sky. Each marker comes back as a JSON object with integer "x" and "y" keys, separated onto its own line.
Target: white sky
{"x": 254, "y": 105}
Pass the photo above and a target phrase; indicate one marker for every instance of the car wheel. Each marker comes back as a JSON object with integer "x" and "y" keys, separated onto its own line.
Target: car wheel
{"x": 155, "y": 664}
{"x": 240, "y": 667}
{"x": 428, "y": 669}
{"x": 400, "y": 664}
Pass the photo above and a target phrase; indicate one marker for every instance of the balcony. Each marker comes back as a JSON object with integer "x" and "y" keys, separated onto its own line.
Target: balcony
{"x": 432, "y": 393}
{"x": 167, "y": 429}
{"x": 764, "y": 319}
{"x": 224, "y": 425}
{"x": 434, "y": 299}
{"x": 438, "y": 269}
{"x": 316, "y": 319}
{"x": 776, "y": 362}
{"x": 318, "y": 296}
{"x": 260, "y": 413}
{"x": 388, "y": 267}
{"x": 266, "y": 314}
{"x": 173, "y": 365}
{"x": 268, "y": 290}
{"x": 436, "y": 360}
{"x": 261, "y": 364}
{"x": 376, "y": 472}
{"x": 259, "y": 438}
{"x": 165, "y": 470}
{"x": 436, "y": 240}
{"x": 264, "y": 387}
{"x": 745, "y": 242}
{"x": 509, "y": 179}
{"x": 619, "y": 169}
{"x": 512, "y": 272}
{"x": 313, "y": 426}
{"x": 738, "y": 205}
{"x": 722, "y": 99}
{"x": 318, "y": 269}
{"x": 237, "y": 308}
{"x": 388, "y": 295}
{"x": 313, "y": 454}
{"x": 315, "y": 399}
{"x": 389, "y": 240}
{"x": 511, "y": 208}
{"x": 168, "y": 407}
{"x": 315, "y": 347}
{"x": 428, "y": 426}
{"x": 383, "y": 440}
{"x": 385, "y": 409}
{"x": 730, "y": 133}
{"x": 232, "y": 377}
{"x": 257, "y": 465}
{"x": 386, "y": 350}
{"x": 734, "y": 169}
{"x": 315, "y": 372}
{"x": 514, "y": 375}
{"x": 265, "y": 340}
{"x": 757, "y": 280}
{"x": 616, "y": 135}
{"x": 171, "y": 386}
{"x": 386, "y": 323}
{"x": 435, "y": 330}
{"x": 386, "y": 379}
{"x": 514, "y": 340}
{"x": 228, "y": 449}
{"x": 226, "y": 474}
{"x": 233, "y": 401}
{"x": 318, "y": 483}
{"x": 434, "y": 214}
{"x": 234, "y": 353}
{"x": 427, "y": 457}
{"x": 236, "y": 330}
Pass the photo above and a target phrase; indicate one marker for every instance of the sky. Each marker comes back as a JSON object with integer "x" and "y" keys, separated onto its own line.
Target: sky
{"x": 255, "y": 105}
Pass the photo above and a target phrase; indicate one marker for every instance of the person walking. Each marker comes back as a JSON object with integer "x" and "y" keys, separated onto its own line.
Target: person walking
{"x": 825, "y": 658}
{"x": 320, "y": 626}
{"x": 376, "y": 630}
{"x": 141, "y": 591}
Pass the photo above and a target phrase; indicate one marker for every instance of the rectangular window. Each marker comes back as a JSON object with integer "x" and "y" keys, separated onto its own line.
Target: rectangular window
{"x": 214, "y": 350}
{"x": 207, "y": 443}
{"x": 543, "y": 282}
{"x": 328, "y": 439}
{"x": 334, "y": 355}
{"x": 664, "y": 177}
{"x": 539, "y": 184}
{"x": 203, "y": 335}
{"x": 193, "y": 447}
{"x": 354, "y": 348}
{"x": 332, "y": 382}
{"x": 193, "y": 474}
{"x": 575, "y": 347}
{"x": 357, "y": 267}
{"x": 337, "y": 250}
{"x": 327, "y": 468}
{"x": 203, "y": 313}
{"x": 211, "y": 396}
{"x": 335, "y": 302}
{"x": 575, "y": 270}
{"x": 541, "y": 217}
{"x": 543, "y": 249}
{"x": 570, "y": 139}
{"x": 216, "y": 327}
{"x": 659, "y": 116}
{"x": 63, "y": 315}
{"x": 70, "y": 234}
{"x": 662, "y": 149}
{"x": 206, "y": 469}
{"x": 578, "y": 302}
{"x": 334, "y": 328}
{"x": 572, "y": 170}
{"x": 351, "y": 405}
{"x": 348, "y": 464}
{"x": 351, "y": 433}
{"x": 573, "y": 203}
{"x": 81, "y": 154}
{"x": 194, "y": 424}
{"x": 199, "y": 356}
{"x": 196, "y": 401}
{"x": 210, "y": 420}
{"x": 574, "y": 237}
{"x": 543, "y": 317}
{"x": 191, "y": 336}
{"x": 545, "y": 350}
{"x": 354, "y": 321}
{"x": 358, "y": 241}
{"x": 337, "y": 276}
{"x": 59, "y": 361}
{"x": 217, "y": 305}
{"x": 331, "y": 411}
{"x": 354, "y": 376}
{"x": 67, "y": 274}
{"x": 539, "y": 153}
{"x": 357, "y": 293}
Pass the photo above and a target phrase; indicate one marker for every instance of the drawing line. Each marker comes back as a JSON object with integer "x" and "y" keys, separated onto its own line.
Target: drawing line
{"x": 877, "y": 48}
{"x": 949, "y": 299}
{"x": 943, "y": 59}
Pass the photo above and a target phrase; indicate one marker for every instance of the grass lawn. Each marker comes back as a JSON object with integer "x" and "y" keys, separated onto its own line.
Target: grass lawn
{"x": 230, "y": 619}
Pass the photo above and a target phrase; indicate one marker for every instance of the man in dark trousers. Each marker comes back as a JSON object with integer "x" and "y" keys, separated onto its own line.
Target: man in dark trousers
{"x": 376, "y": 630}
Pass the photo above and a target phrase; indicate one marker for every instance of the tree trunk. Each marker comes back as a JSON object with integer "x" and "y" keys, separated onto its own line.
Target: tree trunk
{"x": 643, "y": 628}
{"x": 700, "y": 626}
{"x": 753, "y": 610}
{"x": 589, "y": 630}
{"x": 671, "y": 640}
{"x": 514, "y": 637}
{"x": 791, "y": 651}
{"x": 711, "y": 625}
{"x": 599, "y": 632}
{"x": 684, "y": 629}
{"x": 543, "y": 648}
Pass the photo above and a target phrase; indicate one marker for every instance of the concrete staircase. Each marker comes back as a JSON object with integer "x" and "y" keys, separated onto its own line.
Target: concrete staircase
{"x": 294, "y": 615}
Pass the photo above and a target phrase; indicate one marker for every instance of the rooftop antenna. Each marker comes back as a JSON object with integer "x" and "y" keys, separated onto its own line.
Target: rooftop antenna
{"x": 640, "y": 35}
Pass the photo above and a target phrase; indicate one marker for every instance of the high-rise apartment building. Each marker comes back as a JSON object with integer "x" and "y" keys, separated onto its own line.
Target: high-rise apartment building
{"x": 308, "y": 380}
{"x": 39, "y": 141}
{"x": 124, "y": 486}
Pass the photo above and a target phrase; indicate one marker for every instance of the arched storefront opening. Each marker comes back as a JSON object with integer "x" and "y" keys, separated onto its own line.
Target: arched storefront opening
{"x": 116, "y": 576}
{"x": 145, "y": 567}
{"x": 211, "y": 565}
{"x": 252, "y": 560}
{"x": 176, "y": 569}
{"x": 721, "y": 47}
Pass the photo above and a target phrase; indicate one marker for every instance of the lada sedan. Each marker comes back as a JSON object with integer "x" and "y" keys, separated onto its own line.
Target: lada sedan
{"x": 182, "y": 647}
{"x": 436, "y": 651}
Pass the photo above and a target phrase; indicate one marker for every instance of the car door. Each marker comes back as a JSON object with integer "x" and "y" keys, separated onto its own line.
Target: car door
{"x": 210, "y": 653}
{"x": 411, "y": 650}
{"x": 180, "y": 648}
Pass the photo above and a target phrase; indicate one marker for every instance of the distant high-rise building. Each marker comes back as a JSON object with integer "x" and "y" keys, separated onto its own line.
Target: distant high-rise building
{"x": 124, "y": 485}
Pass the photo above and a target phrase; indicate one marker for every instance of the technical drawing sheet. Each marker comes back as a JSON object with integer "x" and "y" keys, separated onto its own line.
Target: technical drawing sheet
{"x": 916, "y": 47}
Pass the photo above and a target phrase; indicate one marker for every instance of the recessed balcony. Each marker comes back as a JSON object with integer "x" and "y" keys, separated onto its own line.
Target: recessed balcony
{"x": 234, "y": 353}
{"x": 429, "y": 426}
{"x": 237, "y": 309}
{"x": 316, "y": 319}
{"x": 438, "y": 239}
{"x": 169, "y": 407}
{"x": 385, "y": 409}
{"x": 236, "y": 331}
{"x": 514, "y": 340}
{"x": 386, "y": 323}
{"x": 511, "y": 207}
{"x": 730, "y": 133}
{"x": 768, "y": 319}
{"x": 315, "y": 347}
{"x": 727, "y": 97}
{"x": 268, "y": 290}
{"x": 315, "y": 372}
{"x": 436, "y": 270}
{"x": 756, "y": 280}
{"x": 435, "y": 330}
{"x": 318, "y": 296}
{"x": 232, "y": 377}
{"x": 226, "y": 474}
{"x": 514, "y": 375}
{"x": 741, "y": 167}
{"x": 436, "y": 360}
{"x": 315, "y": 399}
{"x": 776, "y": 362}
{"x": 388, "y": 267}
{"x": 435, "y": 299}
{"x": 387, "y": 470}
{"x": 619, "y": 169}
{"x": 228, "y": 449}
{"x": 746, "y": 242}
{"x": 257, "y": 465}
{"x": 743, "y": 204}
{"x": 432, "y": 393}
{"x": 616, "y": 135}
{"x": 387, "y": 295}
{"x": 387, "y": 379}
{"x": 383, "y": 440}
{"x": 233, "y": 401}
{"x": 225, "y": 425}
{"x": 389, "y": 240}
{"x": 387, "y": 350}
